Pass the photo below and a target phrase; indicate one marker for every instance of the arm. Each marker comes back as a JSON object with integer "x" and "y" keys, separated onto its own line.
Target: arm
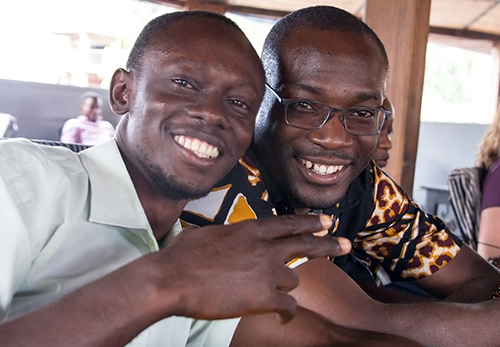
{"x": 489, "y": 232}
{"x": 114, "y": 309}
{"x": 466, "y": 278}
{"x": 309, "y": 329}
{"x": 70, "y": 132}
{"x": 413, "y": 245}
{"x": 328, "y": 291}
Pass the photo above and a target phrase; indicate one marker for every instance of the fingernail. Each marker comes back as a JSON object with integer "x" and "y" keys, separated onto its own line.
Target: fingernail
{"x": 326, "y": 221}
{"x": 344, "y": 244}
{"x": 321, "y": 233}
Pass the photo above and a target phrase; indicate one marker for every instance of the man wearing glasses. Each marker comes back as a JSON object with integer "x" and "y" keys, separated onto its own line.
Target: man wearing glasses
{"x": 315, "y": 135}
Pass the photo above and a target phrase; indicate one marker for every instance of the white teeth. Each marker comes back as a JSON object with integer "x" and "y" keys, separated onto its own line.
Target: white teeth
{"x": 201, "y": 148}
{"x": 321, "y": 169}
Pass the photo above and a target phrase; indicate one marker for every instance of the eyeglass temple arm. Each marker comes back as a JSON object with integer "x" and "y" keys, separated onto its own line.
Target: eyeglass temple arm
{"x": 280, "y": 99}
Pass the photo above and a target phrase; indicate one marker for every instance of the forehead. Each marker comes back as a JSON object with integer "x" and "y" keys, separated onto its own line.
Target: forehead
{"x": 333, "y": 62}
{"x": 204, "y": 42}
{"x": 205, "y": 37}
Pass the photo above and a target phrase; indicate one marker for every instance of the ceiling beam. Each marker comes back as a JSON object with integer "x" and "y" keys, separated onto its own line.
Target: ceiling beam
{"x": 275, "y": 14}
{"x": 465, "y": 33}
{"x": 218, "y": 6}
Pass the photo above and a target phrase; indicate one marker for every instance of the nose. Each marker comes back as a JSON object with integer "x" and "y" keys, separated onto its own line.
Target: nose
{"x": 211, "y": 110}
{"x": 384, "y": 141}
{"x": 332, "y": 135}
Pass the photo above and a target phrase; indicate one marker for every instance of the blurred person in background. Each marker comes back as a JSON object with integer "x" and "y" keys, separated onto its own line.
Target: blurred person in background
{"x": 88, "y": 128}
{"x": 381, "y": 155}
{"x": 488, "y": 159}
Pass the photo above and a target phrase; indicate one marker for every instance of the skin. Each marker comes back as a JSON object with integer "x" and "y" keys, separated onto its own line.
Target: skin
{"x": 91, "y": 107}
{"x": 316, "y": 70}
{"x": 338, "y": 69}
{"x": 488, "y": 233}
{"x": 381, "y": 155}
{"x": 171, "y": 98}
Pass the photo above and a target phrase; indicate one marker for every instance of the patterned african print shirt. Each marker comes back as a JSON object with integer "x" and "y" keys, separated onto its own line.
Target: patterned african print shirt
{"x": 393, "y": 238}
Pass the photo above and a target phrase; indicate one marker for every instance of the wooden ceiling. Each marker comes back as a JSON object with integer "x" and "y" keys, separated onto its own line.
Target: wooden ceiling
{"x": 479, "y": 19}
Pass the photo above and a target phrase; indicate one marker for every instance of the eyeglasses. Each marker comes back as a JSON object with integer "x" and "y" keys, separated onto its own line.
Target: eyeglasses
{"x": 312, "y": 115}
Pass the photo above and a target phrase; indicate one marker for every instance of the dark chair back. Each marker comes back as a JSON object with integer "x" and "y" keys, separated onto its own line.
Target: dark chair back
{"x": 465, "y": 195}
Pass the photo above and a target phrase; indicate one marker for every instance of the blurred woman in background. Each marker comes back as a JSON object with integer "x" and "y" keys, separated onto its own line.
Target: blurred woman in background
{"x": 488, "y": 158}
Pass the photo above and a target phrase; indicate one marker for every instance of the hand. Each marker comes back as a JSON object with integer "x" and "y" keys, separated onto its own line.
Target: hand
{"x": 223, "y": 271}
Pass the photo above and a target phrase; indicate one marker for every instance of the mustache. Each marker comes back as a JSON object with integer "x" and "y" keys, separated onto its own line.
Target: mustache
{"x": 330, "y": 154}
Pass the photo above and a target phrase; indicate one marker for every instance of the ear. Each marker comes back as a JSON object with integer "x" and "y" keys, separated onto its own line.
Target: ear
{"x": 119, "y": 92}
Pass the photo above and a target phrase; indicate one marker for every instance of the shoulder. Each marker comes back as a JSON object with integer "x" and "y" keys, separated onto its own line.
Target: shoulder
{"x": 389, "y": 199}
{"x": 494, "y": 169}
{"x": 106, "y": 124}
{"x": 22, "y": 155}
{"x": 74, "y": 122}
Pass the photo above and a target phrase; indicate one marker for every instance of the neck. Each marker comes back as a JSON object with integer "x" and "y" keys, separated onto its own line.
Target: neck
{"x": 161, "y": 215}
{"x": 161, "y": 212}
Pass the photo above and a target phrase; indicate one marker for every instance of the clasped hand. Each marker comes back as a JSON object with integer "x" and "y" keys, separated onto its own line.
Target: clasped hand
{"x": 224, "y": 271}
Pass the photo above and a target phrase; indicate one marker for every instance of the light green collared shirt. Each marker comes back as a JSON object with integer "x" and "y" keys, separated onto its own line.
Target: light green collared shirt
{"x": 68, "y": 219}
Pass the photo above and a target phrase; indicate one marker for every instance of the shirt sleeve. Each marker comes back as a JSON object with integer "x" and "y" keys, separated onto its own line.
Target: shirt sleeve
{"x": 70, "y": 132}
{"x": 15, "y": 254}
{"x": 400, "y": 237}
{"x": 491, "y": 187}
{"x": 27, "y": 205}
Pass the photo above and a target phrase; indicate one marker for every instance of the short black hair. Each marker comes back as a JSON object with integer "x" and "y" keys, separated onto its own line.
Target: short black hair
{"x": 317, "y": 17}
{"x": 155, "y": 30}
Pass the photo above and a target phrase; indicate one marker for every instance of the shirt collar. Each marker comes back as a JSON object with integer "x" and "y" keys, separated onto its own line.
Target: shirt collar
{"x": 113, "y": 199}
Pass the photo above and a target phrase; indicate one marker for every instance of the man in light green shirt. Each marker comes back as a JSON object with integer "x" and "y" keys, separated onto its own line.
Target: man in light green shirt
{"x": 89, "y": 254}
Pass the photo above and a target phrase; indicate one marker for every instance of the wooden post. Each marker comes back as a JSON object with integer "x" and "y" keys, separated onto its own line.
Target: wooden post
{"x": 496, "y": 60}
{"x": 212, "y": 6}
{"x": 403, "y": 27}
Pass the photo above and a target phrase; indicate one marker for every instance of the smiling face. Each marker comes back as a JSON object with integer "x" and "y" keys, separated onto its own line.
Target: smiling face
{"x": 191, "y": 108}
{"x": 341, "y": 69}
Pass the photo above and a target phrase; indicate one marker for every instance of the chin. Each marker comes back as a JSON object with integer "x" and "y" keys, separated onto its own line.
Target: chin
{"x": 317, "y": 199}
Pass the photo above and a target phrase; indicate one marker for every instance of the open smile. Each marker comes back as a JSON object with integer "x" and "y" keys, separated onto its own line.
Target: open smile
{"x": 321, "y": 168}
{"x": 200, "y": 148}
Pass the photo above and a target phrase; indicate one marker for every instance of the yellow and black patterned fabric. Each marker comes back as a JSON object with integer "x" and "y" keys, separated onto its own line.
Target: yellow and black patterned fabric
{"x": 393, "y": 239}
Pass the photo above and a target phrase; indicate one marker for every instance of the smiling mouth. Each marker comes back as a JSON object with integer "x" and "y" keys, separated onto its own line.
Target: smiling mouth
{"x": 320, "y": 168}
{"x": 202, "y": 149}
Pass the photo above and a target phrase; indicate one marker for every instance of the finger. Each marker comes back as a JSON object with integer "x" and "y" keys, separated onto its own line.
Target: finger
{"x": 287, "y": 225}
{"x": 286, "y": 307}
{"x": 285, "y": 278}
{"x": 311, "y": 246}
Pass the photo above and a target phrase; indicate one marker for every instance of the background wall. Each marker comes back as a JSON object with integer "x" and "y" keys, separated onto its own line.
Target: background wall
{"x": 41, "y": 109}
{"x": 443, "y": 147}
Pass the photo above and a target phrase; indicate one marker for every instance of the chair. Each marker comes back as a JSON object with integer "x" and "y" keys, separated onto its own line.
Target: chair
{"x": 8, "y": 125}
{"x": 75, "y": 147}
{"x": 465, "y": 186}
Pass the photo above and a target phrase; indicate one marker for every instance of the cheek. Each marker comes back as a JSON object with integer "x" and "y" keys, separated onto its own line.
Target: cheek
{"x": 243, "y": 134}
{"x": 367, "y": 148}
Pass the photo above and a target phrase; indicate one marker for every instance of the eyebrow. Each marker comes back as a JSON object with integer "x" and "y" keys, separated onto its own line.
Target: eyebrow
{"x": 200, "y": 65}
{"x": 362, "y": 96}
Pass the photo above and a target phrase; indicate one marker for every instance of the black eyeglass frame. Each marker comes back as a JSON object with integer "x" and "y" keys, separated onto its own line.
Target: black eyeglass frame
{"x": 331, "y": 110}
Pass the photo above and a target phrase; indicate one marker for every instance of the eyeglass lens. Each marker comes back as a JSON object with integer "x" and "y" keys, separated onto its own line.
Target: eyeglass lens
{"x": 311, "y": 115}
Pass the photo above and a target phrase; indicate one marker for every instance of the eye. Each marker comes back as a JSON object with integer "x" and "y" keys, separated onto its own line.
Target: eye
{"x": 302, "y": 106}
{"x": 238, "y": 103}
{"x": 183, "y": 83}
{"x": 362, "y": 113}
